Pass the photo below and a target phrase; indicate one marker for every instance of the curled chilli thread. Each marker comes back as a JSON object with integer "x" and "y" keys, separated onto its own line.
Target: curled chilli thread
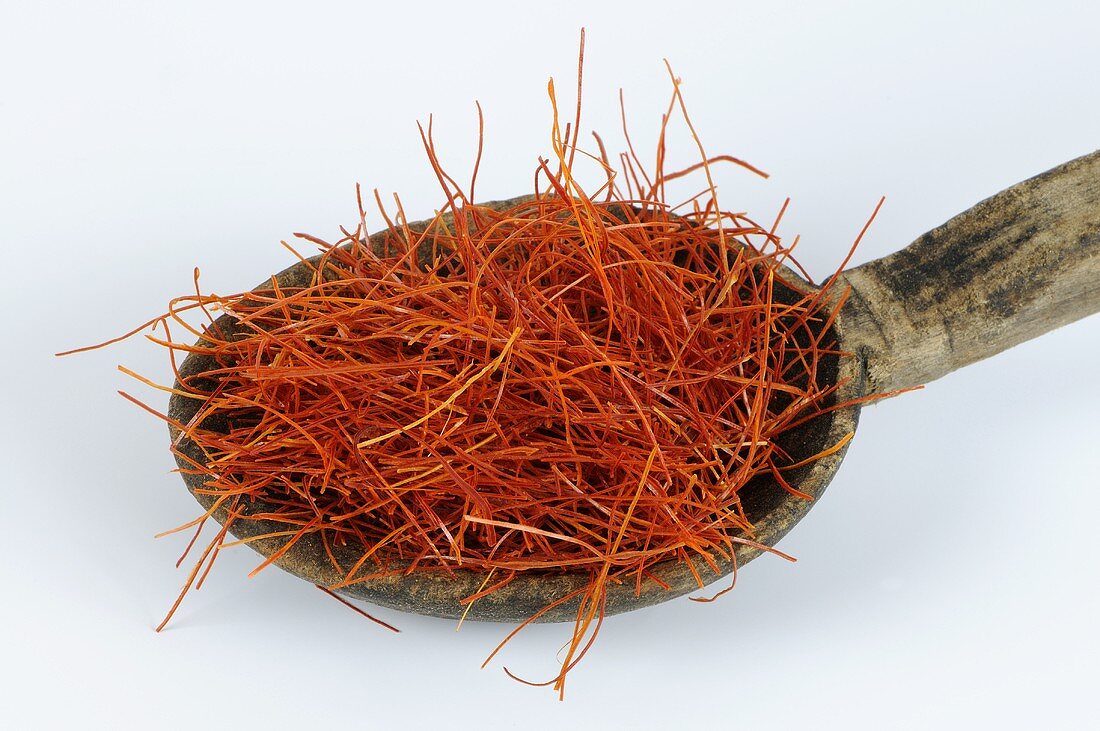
{"x": 581, "y": 382}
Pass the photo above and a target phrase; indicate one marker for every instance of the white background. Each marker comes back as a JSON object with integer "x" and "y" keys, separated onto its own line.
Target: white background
{"x": 947, "y": 579}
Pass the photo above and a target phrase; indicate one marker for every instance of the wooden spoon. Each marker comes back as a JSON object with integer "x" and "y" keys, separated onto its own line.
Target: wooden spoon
{"x": 1011, "y": 268}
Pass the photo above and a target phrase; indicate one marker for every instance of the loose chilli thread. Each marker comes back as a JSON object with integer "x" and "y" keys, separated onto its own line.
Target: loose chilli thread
{"x": 581, "y": 381}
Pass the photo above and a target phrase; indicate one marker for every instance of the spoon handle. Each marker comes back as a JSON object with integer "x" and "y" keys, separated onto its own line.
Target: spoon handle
{"x": 1013, "y": 267}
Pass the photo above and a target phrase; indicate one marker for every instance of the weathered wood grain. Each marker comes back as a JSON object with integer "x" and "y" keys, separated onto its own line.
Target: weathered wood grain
{"x": 1013, "y": 267}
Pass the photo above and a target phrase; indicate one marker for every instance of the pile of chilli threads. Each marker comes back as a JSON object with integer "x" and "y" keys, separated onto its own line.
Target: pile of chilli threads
{"x": 573, "y": 382}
